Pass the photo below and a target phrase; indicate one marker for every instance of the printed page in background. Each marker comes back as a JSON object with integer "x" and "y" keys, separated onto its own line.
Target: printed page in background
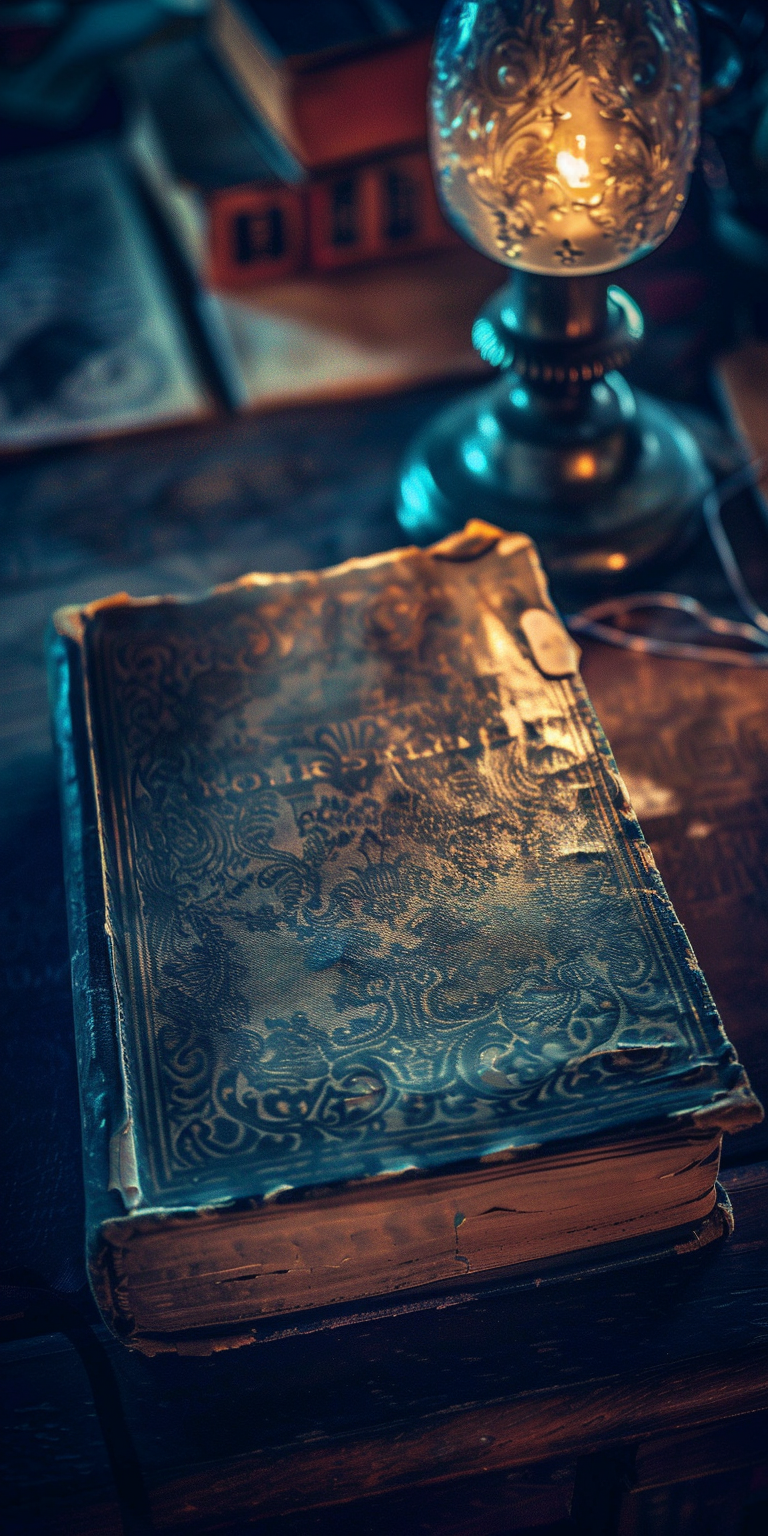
{"x": 382, "y": 327}
{"x": 90, "y": 339}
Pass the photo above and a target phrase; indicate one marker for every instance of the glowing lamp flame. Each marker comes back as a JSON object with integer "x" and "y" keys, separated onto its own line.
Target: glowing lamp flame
{"x": 573, "y": 169}
{"x": 563, "y": 180}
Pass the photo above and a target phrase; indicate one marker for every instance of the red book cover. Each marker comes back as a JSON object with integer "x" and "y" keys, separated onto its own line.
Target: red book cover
{"x": 380, "y": 210}
{"x": 362, "y": 105}
{"x": 256, "y": 234}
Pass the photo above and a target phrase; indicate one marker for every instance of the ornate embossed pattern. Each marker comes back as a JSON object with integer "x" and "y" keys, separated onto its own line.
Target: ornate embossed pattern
{"x": 374, "y": 896}
{"x": 564, "y": 131}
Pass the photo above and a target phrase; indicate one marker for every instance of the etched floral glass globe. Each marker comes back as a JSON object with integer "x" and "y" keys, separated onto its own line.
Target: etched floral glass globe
{"x": 564, "y": 131}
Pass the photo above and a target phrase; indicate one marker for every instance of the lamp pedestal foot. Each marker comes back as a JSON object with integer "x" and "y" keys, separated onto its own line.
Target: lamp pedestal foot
{"x": 605, "y": 479}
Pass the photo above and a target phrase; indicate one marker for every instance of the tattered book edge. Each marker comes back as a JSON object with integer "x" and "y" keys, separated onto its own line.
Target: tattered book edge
{"x": 102, "y": 1097}
{"x": 470, "y": 543}
{"x": 671, "y": 1245}
{"x": 736, "y": 1110}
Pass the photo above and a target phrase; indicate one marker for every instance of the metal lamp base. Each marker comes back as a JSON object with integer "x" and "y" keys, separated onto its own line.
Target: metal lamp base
{"x": 648, "y": 512}
{"x": 605, "y": 479}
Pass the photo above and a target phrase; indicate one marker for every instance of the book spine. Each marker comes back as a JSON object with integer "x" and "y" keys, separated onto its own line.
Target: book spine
{"x": 373, "y": 212}
{"x": 256, "y": 234}
{"x": 103, "y": 1101}
{"x": 179, "y": 220}
{"x": 361, "y": 107}
{"x": 258, "y": 77}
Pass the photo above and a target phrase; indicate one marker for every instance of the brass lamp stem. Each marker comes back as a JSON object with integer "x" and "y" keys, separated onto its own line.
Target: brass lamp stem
{"x": 604, "y": 478}
{"x": 563, "y": 309}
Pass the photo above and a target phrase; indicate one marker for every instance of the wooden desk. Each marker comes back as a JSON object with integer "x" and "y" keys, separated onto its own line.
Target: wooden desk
{"x": 466, "y": 1419}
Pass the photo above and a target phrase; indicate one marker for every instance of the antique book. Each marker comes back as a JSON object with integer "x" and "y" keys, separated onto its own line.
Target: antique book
{"x": 254, "y": 215}
{"x": 224, "y": 179}
{"x": 360, "y": 331}
{"x": 376, "y": 984}
{"x": 333, "y": 88}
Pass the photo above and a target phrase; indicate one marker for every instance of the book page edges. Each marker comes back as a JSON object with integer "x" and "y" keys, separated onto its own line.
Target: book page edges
{"x": 220, "y": 1268}
{"x": 716, "y": 1225}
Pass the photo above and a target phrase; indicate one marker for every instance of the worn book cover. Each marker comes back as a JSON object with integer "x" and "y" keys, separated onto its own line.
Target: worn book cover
{"x": 376, "y": 984}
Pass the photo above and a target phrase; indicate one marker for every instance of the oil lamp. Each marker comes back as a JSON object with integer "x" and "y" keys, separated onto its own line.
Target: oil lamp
{"x": 563, "y": 138}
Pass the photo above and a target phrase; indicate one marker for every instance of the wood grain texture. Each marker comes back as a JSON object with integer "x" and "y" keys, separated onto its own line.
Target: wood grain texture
{"x": 576, "y": 1363}
{"x": 484, "y": 1439}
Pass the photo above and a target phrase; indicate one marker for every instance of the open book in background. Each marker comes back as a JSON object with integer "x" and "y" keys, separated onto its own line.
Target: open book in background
{"x": 260, "y": 282}
{"x": 361, "y": 332}
{"x": 109, "y": 321}
{"x": 305, "y": 315}
{"x": 120, "y": 335}
{"x": 97, "y": 338}
{"x": 91, "y": 339}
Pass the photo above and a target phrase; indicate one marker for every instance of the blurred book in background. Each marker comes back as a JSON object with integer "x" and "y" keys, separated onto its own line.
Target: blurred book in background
{"x": 111, "y": 318}
{"x": 360, "y": 332}
{"x": 91, "y": 340}
{"x": 262, "y": 213}
{"x": 249, "y": 278}
{"x": 262, "y": 224}
{"x": 335, "y": 79}
{"x": 298, "y": 266}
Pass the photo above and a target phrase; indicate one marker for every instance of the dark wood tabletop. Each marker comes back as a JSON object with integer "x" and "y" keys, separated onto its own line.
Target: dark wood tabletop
{"x": 626, "y": 1397}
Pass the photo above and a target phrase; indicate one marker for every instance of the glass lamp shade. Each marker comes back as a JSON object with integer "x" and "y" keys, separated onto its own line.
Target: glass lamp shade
{"x": 564, "y": 131}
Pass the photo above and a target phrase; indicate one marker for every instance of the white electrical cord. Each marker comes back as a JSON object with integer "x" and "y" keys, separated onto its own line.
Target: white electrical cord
{"x": 594, "y": 621}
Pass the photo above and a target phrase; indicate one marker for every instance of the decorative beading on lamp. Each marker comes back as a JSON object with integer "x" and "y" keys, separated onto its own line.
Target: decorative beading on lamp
{"x": 563, "y": 138}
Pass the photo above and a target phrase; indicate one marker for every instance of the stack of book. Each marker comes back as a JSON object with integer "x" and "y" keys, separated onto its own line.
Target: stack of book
{"x": 307, "y": 146}
{"x": 155, "y": 243}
